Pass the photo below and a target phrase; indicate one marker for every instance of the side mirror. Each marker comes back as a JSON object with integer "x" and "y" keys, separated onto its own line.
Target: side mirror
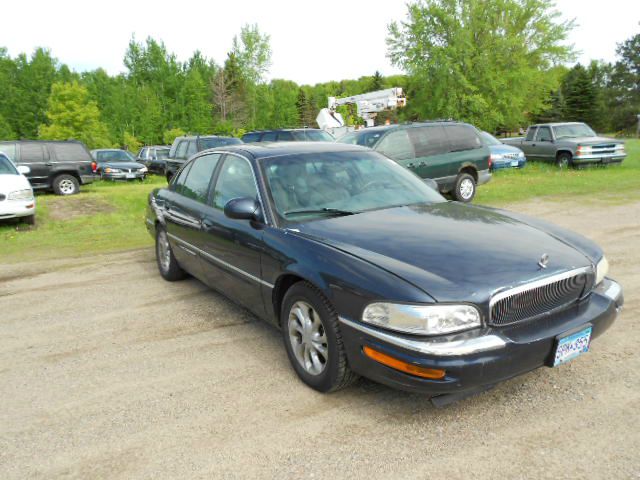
{"x": 244, "y": 208}
{"x": 24, "y": 170}
{"x": 430, "y": 182}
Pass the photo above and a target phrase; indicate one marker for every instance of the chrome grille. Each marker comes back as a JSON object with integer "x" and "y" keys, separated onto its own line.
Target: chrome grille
{"x": 538, "y": 298}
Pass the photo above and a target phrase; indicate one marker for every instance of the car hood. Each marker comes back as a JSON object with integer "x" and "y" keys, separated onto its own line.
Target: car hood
{"x": 502, "y": 149}
{"x": 453, "y": 252}
{"x": 11, "y": 183}
{"x": 590, "y": 140}
{"x": 128, "y": 165}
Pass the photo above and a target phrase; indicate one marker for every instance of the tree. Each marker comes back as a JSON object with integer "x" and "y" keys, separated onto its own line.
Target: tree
{"x": 170, "y": 135}
{"x": 72, "y": 115}
{"x": 624, "y": 87}
{"x": 579, "y": 96}
{"x": 377, "y": 81}
{"x": 253, "y": 53}
{"x": 306, "y": 112}
{"x": 483, "y": 62}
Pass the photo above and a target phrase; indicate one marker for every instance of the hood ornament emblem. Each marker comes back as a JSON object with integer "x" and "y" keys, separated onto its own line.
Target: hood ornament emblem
{"x": 544, "y": 261}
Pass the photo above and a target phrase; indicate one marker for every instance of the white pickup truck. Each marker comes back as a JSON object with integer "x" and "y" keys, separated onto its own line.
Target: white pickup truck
{"x": 568, "y": 144}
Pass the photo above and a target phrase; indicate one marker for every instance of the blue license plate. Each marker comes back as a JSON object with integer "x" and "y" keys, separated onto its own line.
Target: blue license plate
{"x": 571, "y": 346}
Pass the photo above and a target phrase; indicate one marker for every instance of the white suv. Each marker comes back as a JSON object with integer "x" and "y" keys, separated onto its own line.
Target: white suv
{"x": 16, "y": 194}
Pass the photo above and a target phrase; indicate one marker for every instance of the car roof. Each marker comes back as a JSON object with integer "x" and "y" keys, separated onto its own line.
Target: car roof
{"x": 423, "y": 123}
{"x": 190, "y": 137}
{"x": 108, "y": 150}
{"x": 557, "y": 124}
{"x": 301, "y": 129}
{"x": 277, "y": 149}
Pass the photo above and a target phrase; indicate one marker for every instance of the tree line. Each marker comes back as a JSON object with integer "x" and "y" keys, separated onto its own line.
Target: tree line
{"x": 498, "y": 64}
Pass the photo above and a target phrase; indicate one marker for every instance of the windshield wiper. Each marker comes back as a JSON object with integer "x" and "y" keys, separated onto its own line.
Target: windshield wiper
{"x": 329, "y": 211}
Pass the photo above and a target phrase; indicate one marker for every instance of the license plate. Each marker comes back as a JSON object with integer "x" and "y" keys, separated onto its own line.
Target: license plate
{"x": 131, "y": 175}
{"x": 571, "y": 346}
{"x": 514, "y": 163}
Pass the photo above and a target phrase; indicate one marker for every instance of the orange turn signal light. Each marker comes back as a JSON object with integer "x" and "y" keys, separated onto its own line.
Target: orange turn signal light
{"x": 383, "y": 358}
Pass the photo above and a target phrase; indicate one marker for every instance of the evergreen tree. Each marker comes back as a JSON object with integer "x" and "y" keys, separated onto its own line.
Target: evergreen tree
{"x": 579, "y": 96}
{"x": 377, "y": 81}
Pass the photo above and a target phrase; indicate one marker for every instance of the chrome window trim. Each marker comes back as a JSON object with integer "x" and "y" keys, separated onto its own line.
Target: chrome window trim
{"x": 434, "y": 346}
{"x": 537, "y": 283}
{"x": 220, "y": 261}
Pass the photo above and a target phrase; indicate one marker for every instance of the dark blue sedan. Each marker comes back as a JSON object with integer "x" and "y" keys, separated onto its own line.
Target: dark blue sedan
{"x": 503, "y": 156}
{"x": 369, "y": 271}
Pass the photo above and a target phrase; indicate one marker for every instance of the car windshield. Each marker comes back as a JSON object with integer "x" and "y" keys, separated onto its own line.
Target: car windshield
{"x": 316, "y": 185}
{"x": 162, "y": 153}
{"x": 489, "y": 139}
{"x": 7, "y": 167}
{"x": 574, "y": 131}
{"x": 218, "y": 142}
{"x": 312, "y": 136}
{"x": 364, "y": 138}
{"x": 115, "y": 156}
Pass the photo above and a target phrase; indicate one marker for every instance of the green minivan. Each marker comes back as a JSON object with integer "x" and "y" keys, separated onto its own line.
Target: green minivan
{"x": 451, "y": 153}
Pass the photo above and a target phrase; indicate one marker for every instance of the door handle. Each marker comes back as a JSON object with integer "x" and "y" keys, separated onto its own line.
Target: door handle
{"x": 48, "y": 164}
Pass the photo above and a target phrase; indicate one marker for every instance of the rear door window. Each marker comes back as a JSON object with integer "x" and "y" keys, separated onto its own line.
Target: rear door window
{"x": 32, "y": 153}
{"x": 196, "y": 185}
{"x": 192, "y": 149}
{"x": 268, "y": 137}
{"x": 462, "y": 137}
{"x": 397, "y": 145}
{"x": 178, "y": 180}
{"x": 70, "y": 152}
{"x": 251, "y": 137}
{"x": 428, "y": 141}
{"x": 285, "y": 137}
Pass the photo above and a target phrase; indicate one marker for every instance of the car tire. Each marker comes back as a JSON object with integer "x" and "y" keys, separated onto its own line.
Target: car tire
{"x": 328, "y": 371}
{"x": 168, "y": 266}
{"x": 564, "y": 160}
{"x": 66, "y": 185}
{"x": 30, "y": 220}
{"x": 465, "y": 188}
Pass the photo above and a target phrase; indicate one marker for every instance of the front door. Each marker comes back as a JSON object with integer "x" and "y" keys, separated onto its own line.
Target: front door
{"x": 232, "y": 249}
{"x": 544, "y": 147}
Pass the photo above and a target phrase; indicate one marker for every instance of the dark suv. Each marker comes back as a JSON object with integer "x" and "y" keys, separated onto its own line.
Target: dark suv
{"x": 154, "y": 157}
{"x": 288, "y": 135}
{"x": 58, "y": 166}
{"x": 451, "y": 153}
{"x": 184, "y": 147}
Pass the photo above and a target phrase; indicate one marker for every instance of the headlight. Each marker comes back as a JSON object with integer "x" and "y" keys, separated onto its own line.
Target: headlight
{"x": 521, "y": 154}
{"x": 26, "y": 194}
{"x": 143, "y": 170}
{"x": 111, "y": 170}
{"x": 602, "y": 268}
{"x": 496, "y": 156}
{"x": 583, "y": 150}
{"x": 422, "y": 319}
{"x": 620, "y": 147}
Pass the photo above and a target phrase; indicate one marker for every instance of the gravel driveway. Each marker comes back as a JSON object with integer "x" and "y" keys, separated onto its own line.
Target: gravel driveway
{"x": 107, "y": 371}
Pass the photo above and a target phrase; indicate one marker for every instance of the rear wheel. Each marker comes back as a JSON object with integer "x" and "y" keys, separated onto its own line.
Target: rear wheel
{"x": 167, "y": 263}
{"x": 563, "y": 160}
{"x": 465, "y": 188}
{"x": 66, "y": 185}
{"x": 312, "y": 338}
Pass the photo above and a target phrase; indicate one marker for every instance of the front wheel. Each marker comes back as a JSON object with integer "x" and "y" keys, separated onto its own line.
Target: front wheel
{"x": 167, "y": 263}
{"x": 313, "y": 340}
{"x": 30, "y": 220}
{"x": 563, "y": 160}
{"x": 465, "y": 188}
{"x": 66, "y": 185}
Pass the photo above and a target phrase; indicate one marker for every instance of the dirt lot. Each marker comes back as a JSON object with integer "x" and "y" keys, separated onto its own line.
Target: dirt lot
{"x": 107, "y": 371}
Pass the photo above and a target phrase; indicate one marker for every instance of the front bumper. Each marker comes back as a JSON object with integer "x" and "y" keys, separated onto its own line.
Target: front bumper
{"x": 599, "y": 158}
{"x": 124, "y": 176}
{"x": 17, "y": 208}
{"x": 85, "y": 179}
{"x": 481, "y": 357}
{"x": 507, "y": 164}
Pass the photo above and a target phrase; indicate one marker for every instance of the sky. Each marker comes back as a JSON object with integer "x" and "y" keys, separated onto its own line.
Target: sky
{"x": 311, "y": 42}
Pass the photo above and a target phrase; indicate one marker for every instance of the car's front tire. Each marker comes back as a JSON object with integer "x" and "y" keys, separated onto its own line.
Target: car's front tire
{"x": 465, "y": 188}
{"x": 66, "y": 185}
{"x": 30, "y": 220}
{"x": 312, "y": 338}
{"x": 564, "y": 160}
{"x": 168, "y": 266}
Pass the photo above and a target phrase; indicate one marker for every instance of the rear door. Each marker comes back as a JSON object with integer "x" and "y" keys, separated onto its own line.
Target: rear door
{"x": 71, "y": 157}
{"x": 431, "y": 150}
{"x": 465, "y": 148}
{"x": 232, "y": 248}
{"x": 35, "y": 155}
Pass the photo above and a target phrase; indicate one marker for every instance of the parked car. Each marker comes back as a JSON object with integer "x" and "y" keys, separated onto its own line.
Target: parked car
{"x": 116, "y": 164}
{"x": 451, "y": 153}
{"x": 568, "y": 145}
{"x": 503, "y": 156}
{"x": 288, "y": 135}
{"x": 58, "y": 166}
{"x": 154, "y": 157}
{"x": 368, "y": 271}
{"x": 184, "y": 147}
{"x": 16, "y": 194}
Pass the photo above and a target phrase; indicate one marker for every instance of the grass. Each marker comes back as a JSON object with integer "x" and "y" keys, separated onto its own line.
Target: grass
{"x": 108, "y": 217}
